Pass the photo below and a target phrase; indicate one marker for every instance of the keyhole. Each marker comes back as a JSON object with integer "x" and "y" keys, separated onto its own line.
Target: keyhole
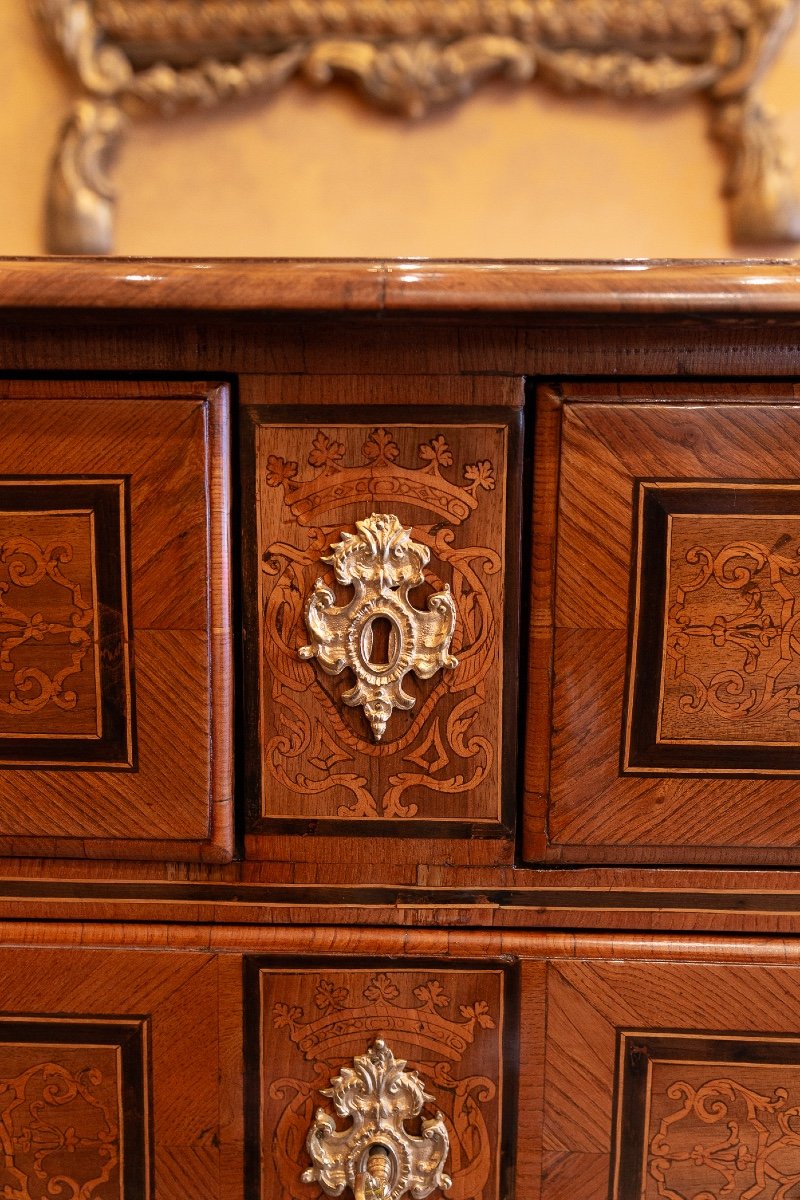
{"x": 380, "y": 643}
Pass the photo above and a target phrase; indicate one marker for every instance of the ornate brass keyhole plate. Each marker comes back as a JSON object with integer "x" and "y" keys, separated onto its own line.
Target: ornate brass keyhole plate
{"x": 382, "y": 564}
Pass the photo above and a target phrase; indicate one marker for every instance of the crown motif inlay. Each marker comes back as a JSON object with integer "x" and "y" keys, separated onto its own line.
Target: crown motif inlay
{"x": 425, "y": 1026}
{"x": 334, "y": 486}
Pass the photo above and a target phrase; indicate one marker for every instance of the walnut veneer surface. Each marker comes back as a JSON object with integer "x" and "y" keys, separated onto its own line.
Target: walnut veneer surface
{"x": 539, "y": 872}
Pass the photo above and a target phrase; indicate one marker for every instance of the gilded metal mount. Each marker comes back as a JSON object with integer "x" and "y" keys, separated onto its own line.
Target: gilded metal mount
{"x": 167, "y": 56}
{"x": 382, "y": 564}
{"x": 376, "y": 1157}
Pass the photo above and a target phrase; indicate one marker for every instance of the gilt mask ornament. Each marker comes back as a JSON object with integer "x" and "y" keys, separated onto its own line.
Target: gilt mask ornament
{"x": 382, "y": 564}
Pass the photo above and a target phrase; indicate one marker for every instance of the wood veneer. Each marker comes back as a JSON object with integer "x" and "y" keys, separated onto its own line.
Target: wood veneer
{"x": 594, "y": 952}
{"x": 116, "y": 729}
{"x": 446, "y": 768}
{"x": 665, "y": 618}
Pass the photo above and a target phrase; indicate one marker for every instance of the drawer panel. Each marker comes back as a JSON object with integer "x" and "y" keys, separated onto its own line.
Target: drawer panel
{"x": 102, "y": 1091}
{"x": 671, "y": 1079}
{"x": 114, "y": 621}
{"x": 668, "y": 633}
{"x": 373, "y": 523}
{"x": 312, "y": 1021}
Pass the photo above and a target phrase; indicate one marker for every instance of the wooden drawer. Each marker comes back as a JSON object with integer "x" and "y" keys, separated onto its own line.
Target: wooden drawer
{"x": 405, "y": 515}
{"x": 671, "y": 1071}
{"x": 115, "y": 704}
{"x": 529, "y": 1064}
{"x": 103, "y": 1093}
{"x": 665, "y": 700}
{"x": 372, "y": 1030}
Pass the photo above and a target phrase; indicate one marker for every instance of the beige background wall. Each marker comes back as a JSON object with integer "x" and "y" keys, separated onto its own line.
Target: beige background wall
{"x": 511, "y": 173}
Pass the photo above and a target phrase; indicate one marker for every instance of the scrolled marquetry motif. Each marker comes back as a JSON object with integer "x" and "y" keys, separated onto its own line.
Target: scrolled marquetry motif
{"x": 61, "y": 1132}
{"x": 448, "y": 1023}
{"x": 747, "y": 1140}
{"x": 376, "y": 1156}
{"x": 382, "y": 564}
{"x": 702, "y": 1115}
{"x": 330, "y": 709}
{"x": 30, "y": 688}
{"x": 410, "y": 55}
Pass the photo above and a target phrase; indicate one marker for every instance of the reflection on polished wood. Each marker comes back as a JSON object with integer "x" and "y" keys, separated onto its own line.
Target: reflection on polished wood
{"x": 542, "y": 1006}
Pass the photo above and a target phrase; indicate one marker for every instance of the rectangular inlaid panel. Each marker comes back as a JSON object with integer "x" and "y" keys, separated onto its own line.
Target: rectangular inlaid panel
{"x": 384, "y": 605}
{"x": 74, "y": 1108}
{"x": 310, "y": 1022}
{"x": 115, "y": 680}
{"x": 119, "y": 1077}
{"x": 65, "y": 677}
{"x": 715, "y": 684}
{"x": 698, "y": 1113}
{"x": 665, "y": 683}
{"x": 671, "y": 1080}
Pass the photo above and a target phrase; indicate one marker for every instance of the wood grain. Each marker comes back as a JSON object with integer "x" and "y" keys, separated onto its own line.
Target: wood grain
{"x": 72, "y": 1009}
{"x": 168, "y": 454}
{"x": 413, "y": 285}
{"x": 596, "y": 813}
{"x": 382, "y": 357}
{"x": 445, "y": 768}
{"x": 578, "y": 992}
{"x": 448, "y": 1021}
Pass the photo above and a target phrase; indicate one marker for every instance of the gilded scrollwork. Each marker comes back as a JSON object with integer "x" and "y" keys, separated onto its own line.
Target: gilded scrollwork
{"x": 376, "y": 1156}
{"x": 382, "y": 564}
{"x": 438, "y": 1035}
{"x": 410, "y": 55}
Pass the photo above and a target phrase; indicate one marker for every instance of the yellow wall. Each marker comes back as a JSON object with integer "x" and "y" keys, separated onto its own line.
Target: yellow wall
{"x": 511, "y": 173}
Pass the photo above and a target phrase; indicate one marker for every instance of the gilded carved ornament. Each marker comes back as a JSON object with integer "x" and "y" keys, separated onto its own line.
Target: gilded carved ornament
{"x": 376, "y": 1157}
{"x": 166, "y": 56}
{"x": 382, "y": 564}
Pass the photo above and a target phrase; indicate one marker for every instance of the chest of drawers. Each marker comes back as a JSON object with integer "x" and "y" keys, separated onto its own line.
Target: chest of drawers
{"x": 399, "y": 731}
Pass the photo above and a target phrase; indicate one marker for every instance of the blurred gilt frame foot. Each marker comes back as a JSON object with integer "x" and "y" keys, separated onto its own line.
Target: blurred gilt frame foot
{"x": 167, "y": 56}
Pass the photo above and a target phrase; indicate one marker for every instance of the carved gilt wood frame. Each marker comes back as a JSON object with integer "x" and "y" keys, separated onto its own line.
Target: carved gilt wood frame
{"x": 167, "y": 56}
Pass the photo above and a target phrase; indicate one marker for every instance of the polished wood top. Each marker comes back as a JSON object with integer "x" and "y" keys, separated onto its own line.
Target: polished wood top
{"x": 400, "y": 286}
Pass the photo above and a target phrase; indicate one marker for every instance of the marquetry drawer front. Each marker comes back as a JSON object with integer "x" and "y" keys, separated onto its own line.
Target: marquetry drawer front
{"x": 417, "y": 1057}
{"x": 103, "y": 1094}
{"x": 114, "y": 620}
{"x": 382, "y": 589}
{"x": 669, "y": 1080}
{"x": 668, "y": 596}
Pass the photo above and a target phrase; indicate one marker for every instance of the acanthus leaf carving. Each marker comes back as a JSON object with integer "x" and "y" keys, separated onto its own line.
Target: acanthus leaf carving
{"x": 382, "y": 564}
{"x": 376, "y": 1156}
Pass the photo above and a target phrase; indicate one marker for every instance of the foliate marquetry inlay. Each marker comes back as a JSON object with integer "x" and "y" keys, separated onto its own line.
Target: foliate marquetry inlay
{"x": 707, "y": 1115}
{"x": 445, "y": 1028}
{"x": 404, "y": 526}
{"x": 65, "y": 690}
{"x": 44, "y": 610}
{"x": 66, "y": 1129}
{"x": 731, "y": 647}
{"x": 382, "y": 564}
{"x": 719, "y": 588}
{"x": 408, "y": 56}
